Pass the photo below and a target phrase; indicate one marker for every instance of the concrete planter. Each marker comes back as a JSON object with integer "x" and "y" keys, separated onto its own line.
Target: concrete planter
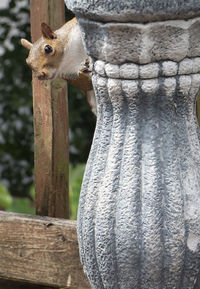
{"x": 139, "y": 212}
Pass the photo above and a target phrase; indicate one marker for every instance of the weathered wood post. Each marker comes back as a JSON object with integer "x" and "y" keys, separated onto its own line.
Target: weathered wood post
{"x": 50, "y": 124}
{"x": 139, "y": 211}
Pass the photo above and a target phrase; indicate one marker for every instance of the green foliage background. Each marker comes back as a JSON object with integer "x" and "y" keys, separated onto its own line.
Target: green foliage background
{"x": 16, "y": 120}
{"x": 25, "y": 205}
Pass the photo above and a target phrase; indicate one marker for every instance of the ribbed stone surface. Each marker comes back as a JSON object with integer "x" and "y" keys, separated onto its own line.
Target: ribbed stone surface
{"x": 140, "y": 200}
{"x": 139, "y": 211}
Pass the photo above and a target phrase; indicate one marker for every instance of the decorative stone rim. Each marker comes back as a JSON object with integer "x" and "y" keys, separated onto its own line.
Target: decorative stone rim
{"x": 148, "y": 71}
{"x": 119, "y": 43}
{"x": 133, "y": 10}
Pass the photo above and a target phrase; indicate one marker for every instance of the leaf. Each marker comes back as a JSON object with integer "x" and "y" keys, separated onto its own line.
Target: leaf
{"x": 5, "y": 197}
{"x": 32, "y": 192}
{"x": 75, "y": 181}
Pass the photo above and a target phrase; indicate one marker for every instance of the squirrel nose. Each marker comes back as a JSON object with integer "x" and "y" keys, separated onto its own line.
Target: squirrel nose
{"x": 29, "y": 62}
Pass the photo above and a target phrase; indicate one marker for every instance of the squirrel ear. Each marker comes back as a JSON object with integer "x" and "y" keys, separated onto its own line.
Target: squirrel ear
{"x": 47, "y": 32}
{"x": 26, "y": 44}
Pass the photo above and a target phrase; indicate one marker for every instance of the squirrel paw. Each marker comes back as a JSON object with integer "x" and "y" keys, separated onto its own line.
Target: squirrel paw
{"x": 85, "y": 66}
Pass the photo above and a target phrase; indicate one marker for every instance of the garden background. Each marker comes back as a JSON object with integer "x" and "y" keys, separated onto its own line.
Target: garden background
{"x": 16, "y": 117}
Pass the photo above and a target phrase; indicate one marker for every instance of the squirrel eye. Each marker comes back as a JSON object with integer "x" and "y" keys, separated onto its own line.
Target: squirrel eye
{"x": 48, "y": 49}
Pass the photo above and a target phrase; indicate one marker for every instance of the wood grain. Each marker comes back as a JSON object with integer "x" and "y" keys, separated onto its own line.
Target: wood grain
{"x": 40, "y": 250}
{"x": 7, "y": 284}
{"x": 50, "y": 124}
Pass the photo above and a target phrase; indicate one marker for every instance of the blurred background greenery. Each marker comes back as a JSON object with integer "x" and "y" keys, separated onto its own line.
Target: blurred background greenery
{"x": 16, "y": 118}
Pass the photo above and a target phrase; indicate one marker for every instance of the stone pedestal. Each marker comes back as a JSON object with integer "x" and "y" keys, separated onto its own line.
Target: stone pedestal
{"x": 139, "y": 211}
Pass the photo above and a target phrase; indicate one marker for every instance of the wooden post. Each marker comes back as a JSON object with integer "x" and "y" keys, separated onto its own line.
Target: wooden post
{"x": 50, "y": 124}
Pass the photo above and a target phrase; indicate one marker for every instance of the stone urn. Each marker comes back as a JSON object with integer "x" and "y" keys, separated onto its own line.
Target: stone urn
{"x": 139, "y": 210}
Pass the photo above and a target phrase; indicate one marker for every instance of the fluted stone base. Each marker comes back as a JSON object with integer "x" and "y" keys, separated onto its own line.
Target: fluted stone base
{"x": 139, "y": 215}
{"x": 139, "y": 210}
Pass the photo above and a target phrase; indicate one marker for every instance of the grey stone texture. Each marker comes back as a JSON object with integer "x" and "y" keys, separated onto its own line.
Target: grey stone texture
{"x": 139, "y": 209}
{"x": 139, "y": 217}
{"x": 134, "y": 10}
{"x": 119, "y": 43}
{"x": 148, "y": 71}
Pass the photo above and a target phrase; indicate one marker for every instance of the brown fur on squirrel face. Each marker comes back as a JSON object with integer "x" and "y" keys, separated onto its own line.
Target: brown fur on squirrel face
{"x": 61, "y": 54}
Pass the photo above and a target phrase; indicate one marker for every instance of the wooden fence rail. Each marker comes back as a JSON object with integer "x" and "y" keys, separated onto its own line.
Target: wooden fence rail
{"x": 40, "y": 250}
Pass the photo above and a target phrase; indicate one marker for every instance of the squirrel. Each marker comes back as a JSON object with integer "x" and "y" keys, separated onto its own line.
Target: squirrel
{"x": 61, "y": 54}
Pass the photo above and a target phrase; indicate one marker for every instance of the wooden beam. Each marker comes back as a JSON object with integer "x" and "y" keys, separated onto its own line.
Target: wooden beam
{"x": 40, "y": 250}
{"x": 7, "y": 284}
{"x": 50, "y": 124}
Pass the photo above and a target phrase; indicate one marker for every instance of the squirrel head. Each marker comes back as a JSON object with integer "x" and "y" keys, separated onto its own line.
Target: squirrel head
{"x": 46, "y": 54}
